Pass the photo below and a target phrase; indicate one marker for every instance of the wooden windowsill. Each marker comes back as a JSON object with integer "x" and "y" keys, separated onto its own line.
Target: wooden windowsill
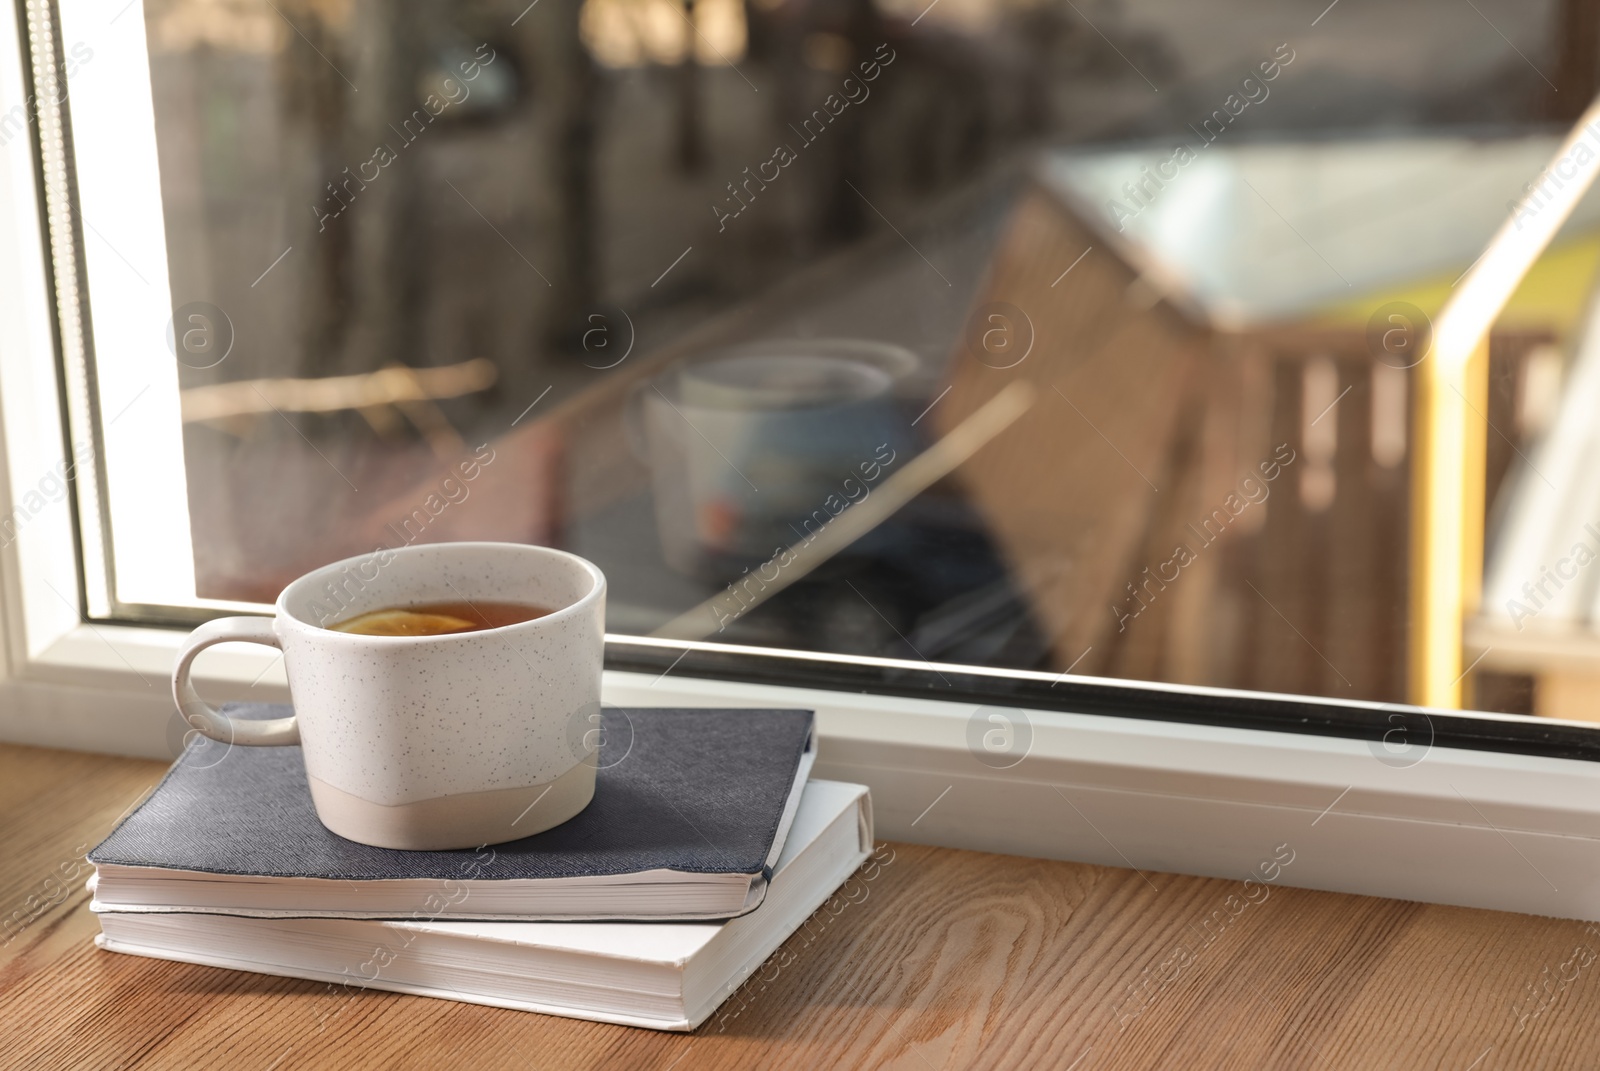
{"x": 953, "y": 959}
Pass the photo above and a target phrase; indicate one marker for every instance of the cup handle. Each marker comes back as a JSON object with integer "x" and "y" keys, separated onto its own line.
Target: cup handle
{"x": 200, "y": 715}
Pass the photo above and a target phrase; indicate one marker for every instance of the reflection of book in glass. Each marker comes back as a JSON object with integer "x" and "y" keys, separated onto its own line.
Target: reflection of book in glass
{"x": 690, "y": 812}
{"x": 666, "y": 975}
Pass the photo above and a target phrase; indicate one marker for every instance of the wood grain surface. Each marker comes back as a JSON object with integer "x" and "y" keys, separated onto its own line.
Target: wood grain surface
{"x": 940, "y": 959}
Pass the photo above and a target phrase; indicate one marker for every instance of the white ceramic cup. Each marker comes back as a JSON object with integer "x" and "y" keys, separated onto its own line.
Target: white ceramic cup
{"x": 431, "y": 742}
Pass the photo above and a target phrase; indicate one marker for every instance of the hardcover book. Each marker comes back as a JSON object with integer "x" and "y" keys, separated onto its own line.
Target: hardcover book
{"x": 663, "y": 975}
{"x": 690, "y": 813}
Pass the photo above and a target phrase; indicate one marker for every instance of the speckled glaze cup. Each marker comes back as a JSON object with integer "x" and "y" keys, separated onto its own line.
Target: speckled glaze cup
{"x": 431, "y": 742}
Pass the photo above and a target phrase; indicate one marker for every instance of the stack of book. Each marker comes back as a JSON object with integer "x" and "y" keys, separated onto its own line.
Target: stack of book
{"x": 707, "y": 844}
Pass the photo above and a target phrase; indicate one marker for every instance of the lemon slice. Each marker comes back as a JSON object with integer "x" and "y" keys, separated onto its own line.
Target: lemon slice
{"x": 403, "y": 623}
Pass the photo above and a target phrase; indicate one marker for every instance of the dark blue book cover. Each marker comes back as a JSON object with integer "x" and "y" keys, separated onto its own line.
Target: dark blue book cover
{"x": 705, "y": 794}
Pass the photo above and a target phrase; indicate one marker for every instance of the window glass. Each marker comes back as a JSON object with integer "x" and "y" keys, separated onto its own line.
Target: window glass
{"x": 1041, "y": 334}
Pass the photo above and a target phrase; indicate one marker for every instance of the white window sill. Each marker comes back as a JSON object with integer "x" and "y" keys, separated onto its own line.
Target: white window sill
{"x": 1474, "y": 828}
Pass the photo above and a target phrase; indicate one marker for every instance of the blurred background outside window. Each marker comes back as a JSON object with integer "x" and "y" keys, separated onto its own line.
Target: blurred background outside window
{"x": 1039, "y": 334}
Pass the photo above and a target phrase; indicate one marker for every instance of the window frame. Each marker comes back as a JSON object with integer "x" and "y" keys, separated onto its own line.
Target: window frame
{"x": 1158, "y": 777}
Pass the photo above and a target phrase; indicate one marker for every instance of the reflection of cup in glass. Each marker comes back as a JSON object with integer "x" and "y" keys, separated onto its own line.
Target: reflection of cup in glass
{"x": 750, "y": 449}
{"x": 772, "y": 381}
